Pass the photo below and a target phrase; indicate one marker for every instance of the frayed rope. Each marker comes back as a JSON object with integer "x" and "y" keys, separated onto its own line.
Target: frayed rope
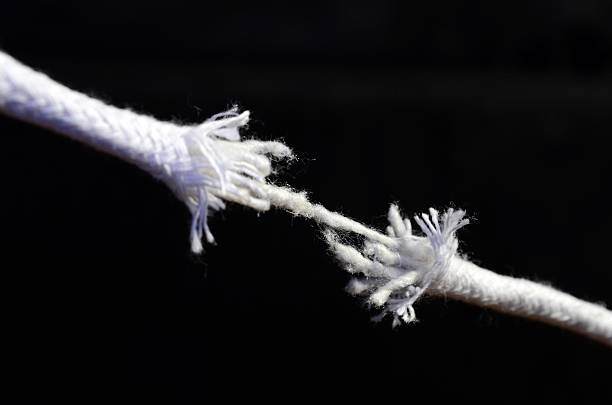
{"x": 209, "y": 164}
{"x": 396, "y": 274}
{"x": 218, "y": 167}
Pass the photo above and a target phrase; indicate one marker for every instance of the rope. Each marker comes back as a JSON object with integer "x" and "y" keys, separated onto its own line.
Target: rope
{"x": 209, "y": 164}
{"x": 204, "y": 164}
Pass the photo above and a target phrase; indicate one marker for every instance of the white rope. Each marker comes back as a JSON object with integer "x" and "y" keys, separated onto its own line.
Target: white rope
{"x": 472, "y": 284}
{"x": 208, "y": 164}
{"x": 203, "y": 164}
{"x": 395, "y": 274}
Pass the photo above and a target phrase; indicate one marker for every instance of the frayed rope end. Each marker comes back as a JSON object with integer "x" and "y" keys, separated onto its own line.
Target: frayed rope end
{"x": 211, "y": 165}
{"x": 398, "y": 273}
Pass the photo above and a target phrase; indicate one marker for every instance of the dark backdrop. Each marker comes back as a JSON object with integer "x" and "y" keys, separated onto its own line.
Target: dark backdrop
{"x": 502, "y": 108}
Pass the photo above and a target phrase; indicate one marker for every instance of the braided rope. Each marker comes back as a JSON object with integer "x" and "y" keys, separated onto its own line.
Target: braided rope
{"x": 203, "y": 164}
{"x": 208, "y": 163}
{"x": 514, "y": 296}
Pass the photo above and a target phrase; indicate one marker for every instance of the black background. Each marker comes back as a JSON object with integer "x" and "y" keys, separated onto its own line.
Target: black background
{"x": 503, "y": 108}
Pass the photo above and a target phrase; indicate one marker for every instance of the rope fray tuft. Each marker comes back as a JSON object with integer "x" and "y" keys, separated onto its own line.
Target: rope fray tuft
{"x": 217, "y": 166}
{"x": 395, "y": 274}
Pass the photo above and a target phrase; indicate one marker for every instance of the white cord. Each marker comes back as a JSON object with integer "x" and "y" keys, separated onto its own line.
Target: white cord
{"x": 208, "y": 163}
{"x": 396, "y": 272}
{"x": 472, "y": 284}
{"x": 203, "y": 164}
